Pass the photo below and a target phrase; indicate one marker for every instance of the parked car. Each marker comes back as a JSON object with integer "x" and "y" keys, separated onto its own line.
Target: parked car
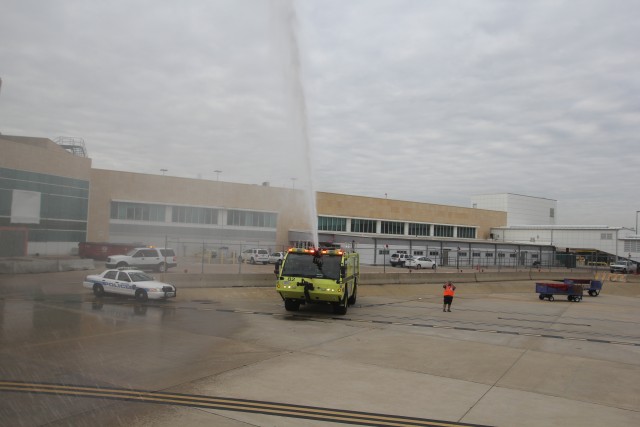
{"x": 420, "y": 262}
{"x": 255, "y": 255}
{"x": 129, "y": 282}
{"x": 623, "y": 266}
{"x": 398, "y": 259}
{"x": 275, "y": 257}
{"x": 159, "y": 259}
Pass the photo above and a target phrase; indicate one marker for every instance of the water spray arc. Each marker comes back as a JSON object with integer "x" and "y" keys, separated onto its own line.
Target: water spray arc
{"x": 286, "y": 41}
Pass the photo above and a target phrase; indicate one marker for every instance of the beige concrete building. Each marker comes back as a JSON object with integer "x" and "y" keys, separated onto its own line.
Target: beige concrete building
{"x": 79, "y": 203}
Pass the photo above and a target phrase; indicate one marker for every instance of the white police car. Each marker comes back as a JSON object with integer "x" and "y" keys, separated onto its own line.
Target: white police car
{"x": 130, "y": 282}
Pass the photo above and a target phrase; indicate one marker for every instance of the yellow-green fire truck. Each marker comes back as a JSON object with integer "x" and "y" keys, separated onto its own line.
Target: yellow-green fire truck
{"x": 319, "y": 276}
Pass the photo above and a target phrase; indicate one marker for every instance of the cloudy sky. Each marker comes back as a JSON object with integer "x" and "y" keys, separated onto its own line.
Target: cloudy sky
{"x": 430, "y": 101}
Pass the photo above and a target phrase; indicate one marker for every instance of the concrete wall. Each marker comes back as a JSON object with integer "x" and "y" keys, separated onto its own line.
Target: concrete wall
{"x": 43, "y": 156}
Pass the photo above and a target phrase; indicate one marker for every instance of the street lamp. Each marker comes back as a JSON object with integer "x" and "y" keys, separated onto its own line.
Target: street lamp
{"x": 163, "y": 171}
{"x": 637, "y": 212}
{"x": 217, "y": 174}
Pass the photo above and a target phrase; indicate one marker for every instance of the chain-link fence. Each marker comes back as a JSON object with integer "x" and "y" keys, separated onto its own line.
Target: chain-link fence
{"x": 203, "y": 253}
{"x": 475, "y": 258}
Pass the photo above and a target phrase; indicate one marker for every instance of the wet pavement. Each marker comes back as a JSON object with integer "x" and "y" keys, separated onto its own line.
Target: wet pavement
{"x": 500, "y": 358}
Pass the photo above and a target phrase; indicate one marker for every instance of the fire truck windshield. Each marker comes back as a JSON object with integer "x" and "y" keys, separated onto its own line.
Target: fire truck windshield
{"x": 303, "y": 265}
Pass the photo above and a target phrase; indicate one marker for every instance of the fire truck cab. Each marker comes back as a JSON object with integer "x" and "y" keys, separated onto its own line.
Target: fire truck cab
{"x": 319, "y": 276}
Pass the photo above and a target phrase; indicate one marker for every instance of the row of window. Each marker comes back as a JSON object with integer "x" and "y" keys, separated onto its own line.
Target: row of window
{"x": 252, "y": 219}
{"x": 191, "y": 215}
{"x": 632, "y": 246}
{"x": 393, "y": 227}
{"x": 194, "y": 215}
{"x": 137, "y": 211}
{"x": 43, "y": 178}
{"x": 42, "y": 187}
{"x": 460, "y": 254}
{"x": 64, "y": 204}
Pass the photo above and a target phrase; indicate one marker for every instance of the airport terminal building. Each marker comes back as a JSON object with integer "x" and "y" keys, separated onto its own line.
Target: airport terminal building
{"x": 51, "y": 199}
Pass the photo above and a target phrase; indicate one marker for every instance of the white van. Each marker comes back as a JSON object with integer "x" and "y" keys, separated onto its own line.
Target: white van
{"x": 255, "y": 255}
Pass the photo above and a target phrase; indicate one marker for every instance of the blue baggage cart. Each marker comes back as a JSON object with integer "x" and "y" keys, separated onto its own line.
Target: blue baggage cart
{"x": 573, "y": 291}
{"x": 593, "y": 287}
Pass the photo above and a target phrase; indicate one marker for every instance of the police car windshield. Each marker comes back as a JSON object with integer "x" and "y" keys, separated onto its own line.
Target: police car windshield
{"x": 302, "y": 265}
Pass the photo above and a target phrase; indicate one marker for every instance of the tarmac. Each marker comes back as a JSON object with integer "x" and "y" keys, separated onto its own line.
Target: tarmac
{"x": 502, "y": 357}
{"x": 499, "y": 358}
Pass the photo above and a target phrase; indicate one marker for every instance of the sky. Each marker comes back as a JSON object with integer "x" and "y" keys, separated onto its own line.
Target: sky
{"x": 427, "y": 101}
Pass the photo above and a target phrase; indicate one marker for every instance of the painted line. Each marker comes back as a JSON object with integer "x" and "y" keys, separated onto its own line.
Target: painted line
{"x": 228, "y": 404}
{"x": 427, "y": 325}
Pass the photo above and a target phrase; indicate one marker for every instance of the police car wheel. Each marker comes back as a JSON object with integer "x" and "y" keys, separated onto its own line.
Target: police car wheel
{"x": 141, "y": 295}
{"x": 98, "y": 290}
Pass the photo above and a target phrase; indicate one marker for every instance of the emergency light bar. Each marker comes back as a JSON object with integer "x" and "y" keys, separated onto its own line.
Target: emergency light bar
{"x": 314, "y": 251}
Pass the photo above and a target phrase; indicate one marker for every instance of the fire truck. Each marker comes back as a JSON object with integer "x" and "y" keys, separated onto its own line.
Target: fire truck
{"x": 318, "y": 276}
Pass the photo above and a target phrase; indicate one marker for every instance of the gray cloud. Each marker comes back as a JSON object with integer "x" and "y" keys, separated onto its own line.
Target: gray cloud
{"x": 426, "y": 101}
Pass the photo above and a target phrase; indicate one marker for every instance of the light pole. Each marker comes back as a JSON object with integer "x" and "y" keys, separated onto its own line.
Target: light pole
{"x": 293, "y": 183}
{"x": 637, "y": 212}
{"x": 163, "y": 171}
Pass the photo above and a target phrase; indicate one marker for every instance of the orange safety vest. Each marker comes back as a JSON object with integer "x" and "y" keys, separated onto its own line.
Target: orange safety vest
{"x": 449, "y": 291}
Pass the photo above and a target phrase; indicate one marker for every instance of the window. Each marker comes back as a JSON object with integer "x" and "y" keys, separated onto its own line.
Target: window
{"x": 332, "y": 224}
{"x": 434, "y": 253}
{"x": 462, "y": 254}
{"x": 443, "y": 230}
{"x": 476, "y": 254}
{"x": 63, "y": 210}
{"x": 418, "y": 229}
{"x": 501, "y": 255}
{"x": 418, "y": 253}
{"x": 383, "y": 251}
{"x": 137, "y": 211}
{"x": 110, "y": 274}
{"x": 363, "y": 226}
{"x": 194, "y": 215}
{"x": 391, "y": 227}
{"x": 467, "y": 232}
{"x": 552, "y": 213}
{"x": 252, "y": 219}
{"x": 606, "y": 236}
{"x": 488, "y": 255}
{"x": 123, "y": 277}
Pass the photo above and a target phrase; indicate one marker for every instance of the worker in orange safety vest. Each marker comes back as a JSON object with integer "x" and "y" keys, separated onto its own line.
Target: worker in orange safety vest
{"x": 449, "y": 291}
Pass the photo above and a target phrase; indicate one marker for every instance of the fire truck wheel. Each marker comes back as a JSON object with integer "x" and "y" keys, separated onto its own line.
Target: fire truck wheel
{"x": 341, "y": 307}
{"x": 352, "y": 298}
{"x": 291, "y": 305}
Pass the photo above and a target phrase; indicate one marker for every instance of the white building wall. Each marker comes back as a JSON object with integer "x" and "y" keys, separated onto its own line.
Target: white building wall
{"x": 521, "y": 210}
{"x": 493, "y": 202}
{"x": 613, "y": 240}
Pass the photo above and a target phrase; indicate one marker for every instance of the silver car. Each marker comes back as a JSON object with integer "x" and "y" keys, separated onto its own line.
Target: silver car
{"x": 419, "y": 262}
{"x": 275, "y": 257}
